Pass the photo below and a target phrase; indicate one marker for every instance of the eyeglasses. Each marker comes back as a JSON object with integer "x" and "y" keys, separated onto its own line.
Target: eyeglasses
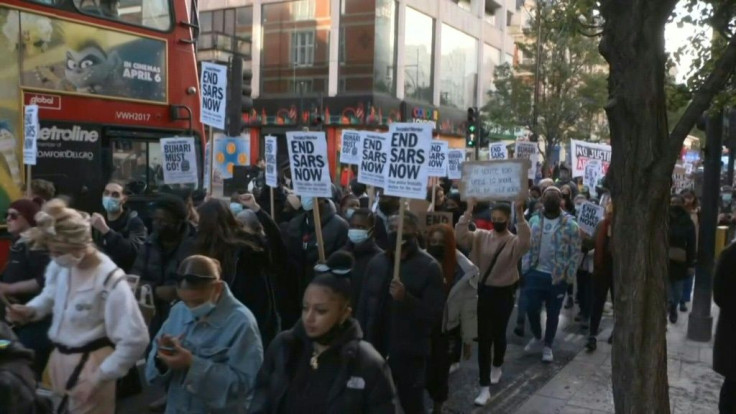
{"x": 195, "y": 280}
{"x": 11, "y": 216}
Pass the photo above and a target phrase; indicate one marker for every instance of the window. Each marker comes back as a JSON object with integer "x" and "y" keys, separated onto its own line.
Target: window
{"x": 302, "y": 10}
{"x": 463, "y": 4}
{"x": 301, "y": 86}
{"x": 140, "y": 161}
{"x": 152, "y": 14}
{"x": 458, "y": 68}
{"x": 418, "y": 52}
{"x": 302, "y": 48}
{"x": 205, "y": 22}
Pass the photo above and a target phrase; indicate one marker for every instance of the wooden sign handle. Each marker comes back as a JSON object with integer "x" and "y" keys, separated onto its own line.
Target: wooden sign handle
{"x": 399, "y": 237}
{"x": 318, "y": 230}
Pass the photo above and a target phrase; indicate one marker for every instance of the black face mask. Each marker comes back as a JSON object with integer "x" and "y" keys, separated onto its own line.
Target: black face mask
{"x": 409, "y": 242}
{"x": 436, "y": 251}
{"x": 551, "y": 208}
{"x": 167, "y": 232}
{"x": 499, "y": 226}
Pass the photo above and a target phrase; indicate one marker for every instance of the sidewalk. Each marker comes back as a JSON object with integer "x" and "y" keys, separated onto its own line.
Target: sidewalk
{"x": 584, "y": 385}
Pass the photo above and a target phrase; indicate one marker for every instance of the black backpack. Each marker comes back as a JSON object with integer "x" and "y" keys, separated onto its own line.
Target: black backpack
{"x": 17, "y": 379}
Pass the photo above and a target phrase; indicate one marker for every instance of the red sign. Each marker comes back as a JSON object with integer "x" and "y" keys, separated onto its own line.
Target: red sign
{"x": 43, "y": 100}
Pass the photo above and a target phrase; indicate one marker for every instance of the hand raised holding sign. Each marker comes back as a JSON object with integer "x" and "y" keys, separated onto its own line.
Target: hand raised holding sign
{"x": 471, "y": 205}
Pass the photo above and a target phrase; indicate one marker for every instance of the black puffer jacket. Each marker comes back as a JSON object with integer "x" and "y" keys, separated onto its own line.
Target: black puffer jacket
{"x": 724, "y": 290}
{"x": 363, "y": 254}
{"x": 17, "y": 379}
{"x": 682, "y": 236}
{"x": 359, "y": 378}
{"x": 126, "y": 236}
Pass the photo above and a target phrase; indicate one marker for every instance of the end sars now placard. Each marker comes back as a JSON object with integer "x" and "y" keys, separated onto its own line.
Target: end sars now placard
{"x": 310, "y": 173}
{"x": 408, "y": 168}
{"x": 373, "y": 158}
{"x": 213, "y": 93}
{"x": 495, "y": 180}
{"x": 438, "y": 159}
{"x": 180, "y": 160}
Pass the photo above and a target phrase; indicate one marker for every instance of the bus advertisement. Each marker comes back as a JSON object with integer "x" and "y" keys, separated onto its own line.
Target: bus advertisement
{"x": 100, "y": 75}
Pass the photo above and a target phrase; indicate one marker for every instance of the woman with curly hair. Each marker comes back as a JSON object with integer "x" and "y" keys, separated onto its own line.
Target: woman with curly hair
{"x": 87, "y": 295}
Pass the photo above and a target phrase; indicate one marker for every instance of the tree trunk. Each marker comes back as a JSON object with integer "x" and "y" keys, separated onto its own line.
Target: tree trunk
{"x": 640, "y": 180}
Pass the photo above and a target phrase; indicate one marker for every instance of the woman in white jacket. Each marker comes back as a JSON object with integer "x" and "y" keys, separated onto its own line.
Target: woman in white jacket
{"x": 97, "y": 329}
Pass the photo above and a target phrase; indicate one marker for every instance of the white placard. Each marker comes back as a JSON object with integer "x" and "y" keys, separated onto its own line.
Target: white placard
{"x": 180, "y": 160}
{"x": 581, "y": 152}
{"x": 528, "y": 151}
{"x": 214, "y": 94}
{"x": 350, "y": 147}
{"x": 688, "y": 168}
{"x": 593, "y": 173}
{"x": 310, "y": 173}
{"x": 373, "y": 158}
{"x": 455, "y": 159}
{"x": 503, "y": 180}
{"x": 408, "y": 168}
{"x": 272, "y": 175}
{"x": 438, "y": 159}
{"x": 589, "y": 215}
{"x": 30, "y": 134}
{"x": 498, "y": 151}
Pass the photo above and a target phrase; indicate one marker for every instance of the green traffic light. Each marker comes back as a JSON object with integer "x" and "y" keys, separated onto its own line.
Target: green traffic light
{"x": 471, "y": 128}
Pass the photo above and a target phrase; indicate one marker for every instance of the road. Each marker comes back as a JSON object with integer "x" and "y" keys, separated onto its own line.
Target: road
{"x": 523, "y": 373}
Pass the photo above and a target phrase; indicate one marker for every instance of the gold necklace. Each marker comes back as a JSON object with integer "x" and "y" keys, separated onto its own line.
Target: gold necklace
{"x": 314, "y": 361}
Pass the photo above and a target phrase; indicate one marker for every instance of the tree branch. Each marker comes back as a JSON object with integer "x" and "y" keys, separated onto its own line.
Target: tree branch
{"x": 704, "y": 95}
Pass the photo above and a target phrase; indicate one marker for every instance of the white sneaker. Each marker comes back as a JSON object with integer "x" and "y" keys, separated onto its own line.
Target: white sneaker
{"x": 454, "y": 367}
{"x": 547, "y": 355}
{"x": 496, "y": 374}
{"x": 535, "y": 345}
{"x": 483, "y": 397}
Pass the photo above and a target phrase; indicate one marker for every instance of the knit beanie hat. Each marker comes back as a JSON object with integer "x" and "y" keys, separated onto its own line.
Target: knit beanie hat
{"x": 27, "y": 209}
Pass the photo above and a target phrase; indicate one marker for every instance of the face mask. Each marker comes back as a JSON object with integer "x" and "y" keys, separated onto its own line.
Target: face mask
{"x": 727, "y": 198}
{"x": 111, "y": 205}
{"x": 349, "y": 213}
{"x": 236, "y": 208}
{"x": 308, "y": 203}
{"x": 499, "y": 226}
{"x": 436, "y": 251}
{"x": 358, "y": 236}
{"x": 68, "y": 260}
{"x": 202, "y": 310}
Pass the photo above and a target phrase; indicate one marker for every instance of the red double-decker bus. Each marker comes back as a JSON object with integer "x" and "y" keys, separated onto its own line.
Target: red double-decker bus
{"x": 110, "y": 79}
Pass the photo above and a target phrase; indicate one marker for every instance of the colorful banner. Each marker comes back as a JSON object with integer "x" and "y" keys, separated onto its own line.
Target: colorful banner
{"x": 70, "y": 57}
{"x": 229, "y": 152}
{"x": 582, "y": 152}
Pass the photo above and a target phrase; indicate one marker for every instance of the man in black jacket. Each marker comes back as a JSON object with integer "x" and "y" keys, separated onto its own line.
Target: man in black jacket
{"x": 301, "y": 245}
{"x": 387, "y": 207}
{"x": 362, "y": 245}
{"x": 724, "y": 359}
{"x": 123, "y": 233}
{"x": 397, "y": 315}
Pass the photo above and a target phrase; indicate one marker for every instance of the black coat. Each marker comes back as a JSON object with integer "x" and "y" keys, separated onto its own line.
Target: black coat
{"x": 402, "y": 328}
{"x": 681, "y": 235}
{"x": 25, "y": 264}
{"x": 724, "y": 290}
{"x": 17, "y": 379}
{"x": 363, "y": 254}
{"x": 362, "y": 380}
{"x": 126, "y": 236}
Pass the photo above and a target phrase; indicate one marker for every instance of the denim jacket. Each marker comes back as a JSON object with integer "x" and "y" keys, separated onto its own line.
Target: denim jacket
{"x": 567, "y": 242}
{"x": 227, "y": 351}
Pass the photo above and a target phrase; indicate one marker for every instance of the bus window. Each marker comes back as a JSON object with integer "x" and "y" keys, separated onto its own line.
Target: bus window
{"x": 140, "y": 162}
{"x": 152, "y": 14}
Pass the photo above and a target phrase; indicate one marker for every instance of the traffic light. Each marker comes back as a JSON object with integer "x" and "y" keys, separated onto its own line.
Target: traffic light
{"x": 471, "y": 135}
{"x": 247, "y": 90}
{"x": 234, "y": 108}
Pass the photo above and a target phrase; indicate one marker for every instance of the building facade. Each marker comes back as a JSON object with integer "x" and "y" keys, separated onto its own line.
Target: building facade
{"x": 362, "y": 64}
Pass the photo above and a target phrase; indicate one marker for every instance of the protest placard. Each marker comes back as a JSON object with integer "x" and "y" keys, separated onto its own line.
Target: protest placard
{"x": 180, "y": 160}
{"x": 593, "y": 173}
{"x": 350, "y": 147}
{"x": 373, "y": 158}
{"x": 589, "y": 215}
{"x": 310, "y": 172}
{"x": 504, "y": 180}
{"x": 438, "y": 159}
{"x": 581, "y": 152}
{"x": 498, "y": 151}
{"x": 407, "y": 172}
{"x": 30, "y": 134}
{"x": 428, "y": 219}
{"x": 229, "y": 153}
{"x": 688, "y": 168}
{"x": 270, "y": 153}
{"x": 525, "y": 150}
{"x": 455, "y": 159}
{"x": 680, "y": 179}
{"x": 213, "y": 92}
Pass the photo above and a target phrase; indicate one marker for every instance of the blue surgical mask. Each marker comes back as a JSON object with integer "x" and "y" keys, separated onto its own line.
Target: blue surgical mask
{"x": 349, "y": 213}
{"x": 307, "y": 203}
{"x": 111, "y": 205}
{"x": 358, "y": 236}
{"x": 202, "y": 310}
{"x": 236, "y": 208}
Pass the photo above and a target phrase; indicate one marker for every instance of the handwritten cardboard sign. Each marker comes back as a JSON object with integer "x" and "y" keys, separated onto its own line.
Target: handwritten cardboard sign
{"x": 495, "y": 180}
